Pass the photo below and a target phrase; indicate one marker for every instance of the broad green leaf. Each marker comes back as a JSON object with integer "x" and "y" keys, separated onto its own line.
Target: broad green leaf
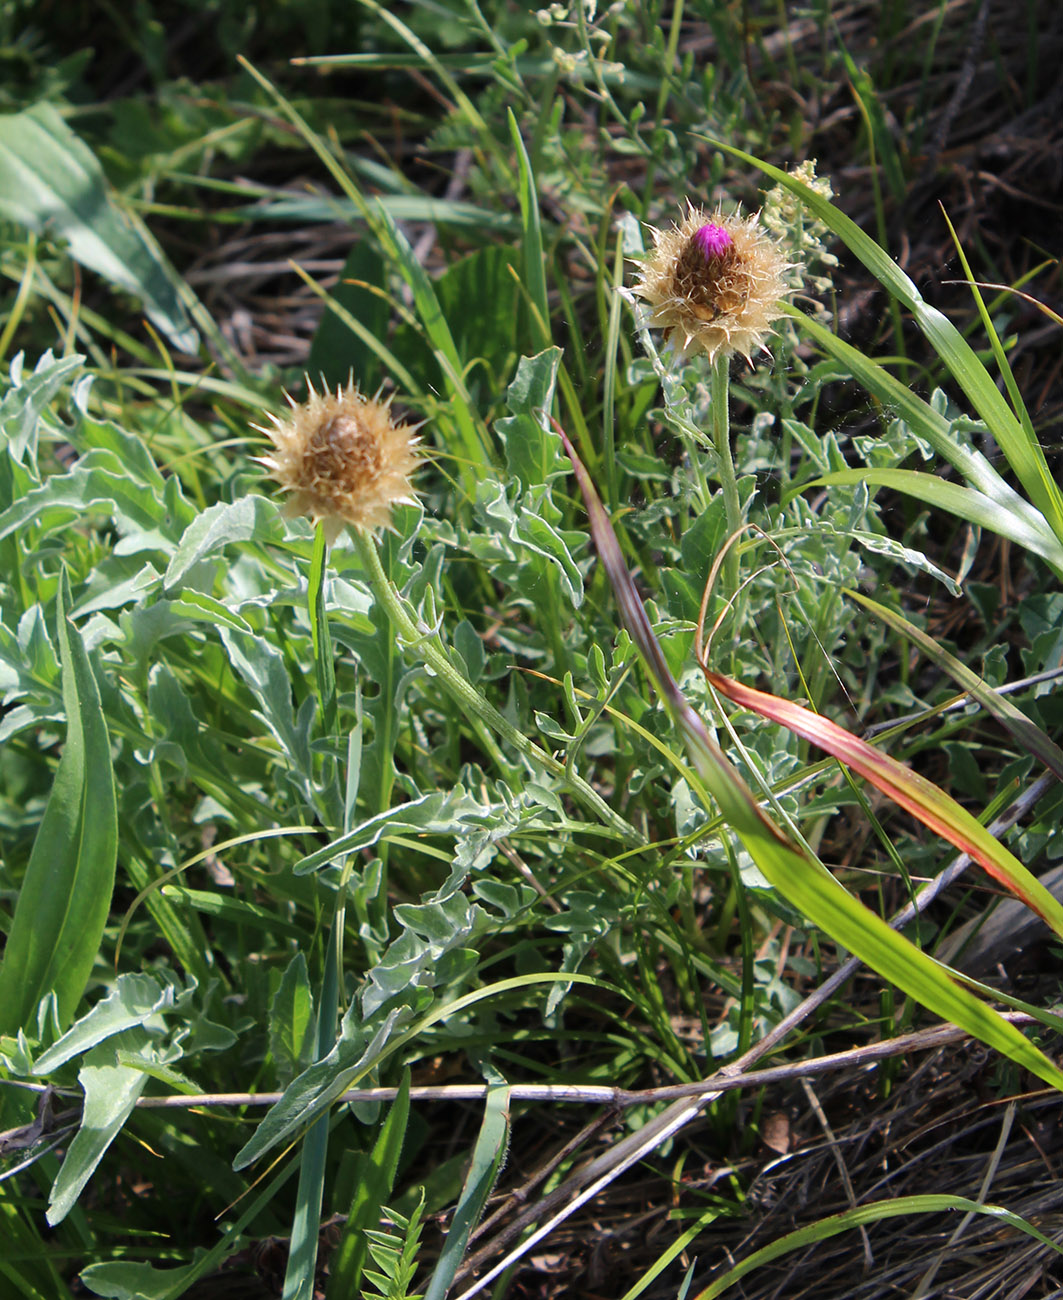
{"x": 291, "y": 1021}
{"x": 134, "y": 1000}
{"x": 107, "y": 590}
{"x": 524, "y": 546}
{"x": 51, "y": 183}
{"x": 198, "y": 607}
{"x": 25, "y": 401}
{"x": 262, "y": 667}
{"x": 337, "y": 354}
{"x": 66, "y": 497}
{"x": 800, "y": 879}
{"x": 487, "y": 1158}
{"x": 315, "y": 1090}
{"x": 123, "y": 1279}
{"x": 892, "y": 548}
{"x": 111, "y": 1091}
{"x": 66, "y": 894}
{"x": 443, "y": 812}
{"x": 220, "y": 526}
{"x": 533, "y": 451}
{"x": 480, "y": 297}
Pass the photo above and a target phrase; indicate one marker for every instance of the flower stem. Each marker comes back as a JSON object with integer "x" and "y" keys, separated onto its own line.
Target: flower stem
{"x": 721, "y": 437}
{"x": 426, "y": 644}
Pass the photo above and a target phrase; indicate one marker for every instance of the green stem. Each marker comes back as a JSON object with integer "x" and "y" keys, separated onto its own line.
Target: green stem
{"x": 721, "y": 437}
{"x": 425, "y": 643}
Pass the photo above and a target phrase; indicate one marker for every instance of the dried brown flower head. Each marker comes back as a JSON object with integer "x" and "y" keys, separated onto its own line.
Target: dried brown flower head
{"x": 342, "y": 459}
{"x": 714, "y": 283}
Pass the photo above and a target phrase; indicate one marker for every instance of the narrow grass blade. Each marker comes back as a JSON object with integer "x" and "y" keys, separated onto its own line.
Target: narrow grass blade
{"x": 369, "y": 340}
{"x": 534, "y": 262}
{"x": 999, "y": 355}
{"x": 487, "y": 1158}
{"x": 66, "y": 894}
{"x": 672, "y": 1252}
{"x": 1025, "y": 731}
{"x": 1027, "y": 531}
{"x": 922, "y": 798}
{"x": 373, "y": 1185}
{"x": 920, "y": 416}
{"x": 426, "y": 301}
{"x": 320, "y": 635}
{"x": 803, "y": 881}
{"x": 863, "y": 1214}
{"x": 306, "y": 1219}
{"x": 272, "y": 206}
{"x": 473, "y": 434}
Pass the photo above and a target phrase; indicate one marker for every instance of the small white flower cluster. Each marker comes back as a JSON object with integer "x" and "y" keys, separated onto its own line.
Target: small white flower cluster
{"x": 786, "y": 217}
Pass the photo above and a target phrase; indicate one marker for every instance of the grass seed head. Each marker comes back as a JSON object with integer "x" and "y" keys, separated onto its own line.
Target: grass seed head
{"x": 342, "y": 459}
{"x": 714, "y": 283}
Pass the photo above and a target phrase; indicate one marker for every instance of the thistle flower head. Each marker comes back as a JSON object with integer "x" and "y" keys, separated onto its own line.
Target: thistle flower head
{"x": 713, "y": 283}
{"x": 342, "y": 459}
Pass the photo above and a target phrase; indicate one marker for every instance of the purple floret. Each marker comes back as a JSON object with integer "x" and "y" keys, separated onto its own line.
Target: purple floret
{"x": 713, "y": 240}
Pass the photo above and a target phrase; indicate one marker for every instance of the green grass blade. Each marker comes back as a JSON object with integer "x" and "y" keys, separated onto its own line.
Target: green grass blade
{"x": 371, "y": 343}
{"x": 320, "y": 636}
{"x": 487, "y": 1158}
{"x": 672, "y": 1252}
{"x": 429, "y": 60}
{"x": 373, "y": 1186}
{"x": 899, "y": 400}
{"x": 66, "y": 895}
{"x": 803, "y": 881}
{"x": 907, "y": 788}
{"x": 306, "y": 1220}
{"x": 963, "y": 502}
{"x": 534, "y": 262}
{"x": 999, "y": 355}
{"x": 473, "y": 434}
{"x": 1029, "y": 735}
{"x": 876, "y": 1212}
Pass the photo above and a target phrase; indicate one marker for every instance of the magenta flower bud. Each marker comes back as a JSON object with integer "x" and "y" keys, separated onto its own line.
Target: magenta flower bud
{"x": 714, "y": 283}
{"x": 713, "y": 240}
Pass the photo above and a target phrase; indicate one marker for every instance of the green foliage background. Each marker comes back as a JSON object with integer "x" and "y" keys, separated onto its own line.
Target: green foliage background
{"x": 276, "y": 820}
